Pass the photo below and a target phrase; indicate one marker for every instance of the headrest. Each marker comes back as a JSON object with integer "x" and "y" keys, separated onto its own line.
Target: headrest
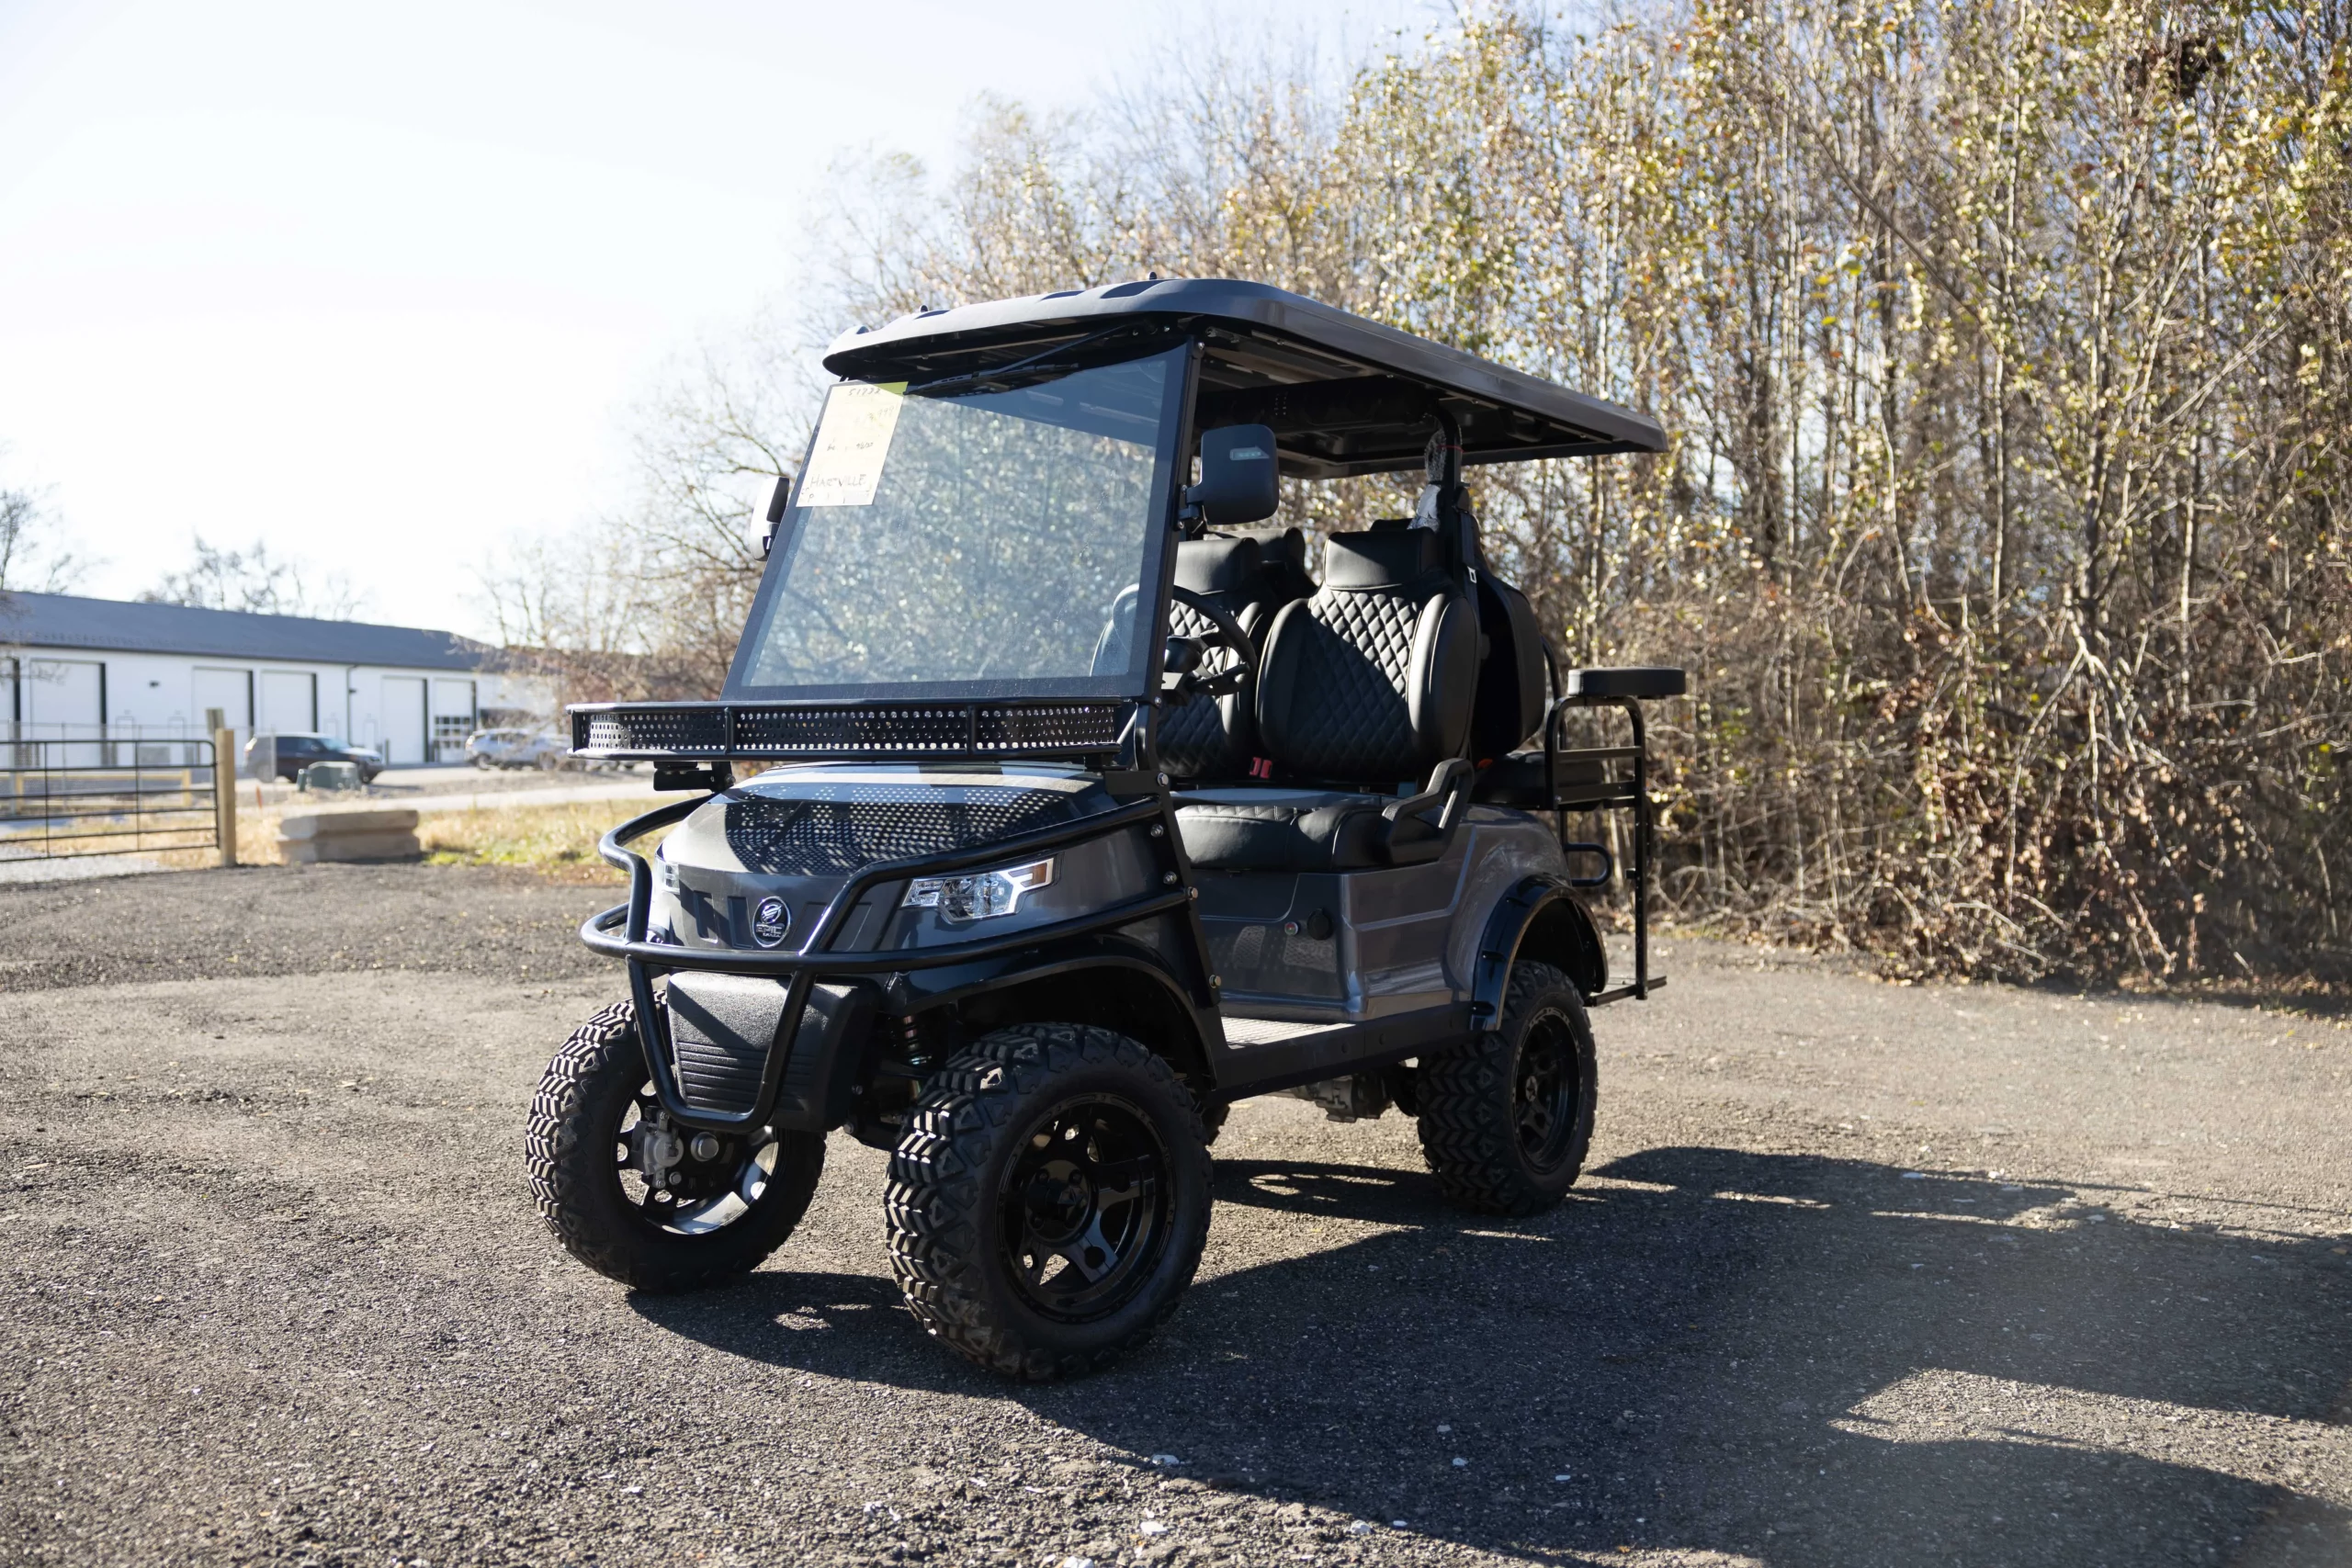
{"x": 1216, "y": 565}
{"x": 1286, "y": 549}
{"x": 1383, "y": 558}
{"x": 1286, "y": 575}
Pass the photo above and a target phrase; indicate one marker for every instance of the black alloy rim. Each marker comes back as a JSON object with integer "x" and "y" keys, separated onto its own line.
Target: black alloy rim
{"x": 669, "y": 1188}
{"x": 1082, "y": 1213}
{"x": 1544, "y": 1090}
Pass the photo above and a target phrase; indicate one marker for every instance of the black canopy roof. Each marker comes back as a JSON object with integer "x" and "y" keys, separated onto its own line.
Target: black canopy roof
{"x": 1344, "y": 395}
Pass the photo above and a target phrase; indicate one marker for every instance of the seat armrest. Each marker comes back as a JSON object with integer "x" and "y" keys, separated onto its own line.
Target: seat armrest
{"x": 1411, "y": 835}
{"x": 1646, "y": 683}
{"x": 1448, "y": 786}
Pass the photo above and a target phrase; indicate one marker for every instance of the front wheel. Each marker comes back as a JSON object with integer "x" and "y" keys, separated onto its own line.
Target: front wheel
{"x": 641, "y": 1198}
{"x": 1507, "y": 1117}
{"x": 1049, "y": 1199}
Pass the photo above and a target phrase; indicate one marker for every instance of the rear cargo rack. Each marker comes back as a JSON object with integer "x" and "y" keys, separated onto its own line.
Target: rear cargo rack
{"x": 1604, "y": 788}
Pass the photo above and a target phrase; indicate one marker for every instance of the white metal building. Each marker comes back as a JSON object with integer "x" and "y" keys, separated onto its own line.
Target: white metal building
{"x": 73, "y": 669}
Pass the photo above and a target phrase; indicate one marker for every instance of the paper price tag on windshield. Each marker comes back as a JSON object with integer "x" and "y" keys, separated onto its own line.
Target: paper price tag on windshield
{"x": 853, "y": 442}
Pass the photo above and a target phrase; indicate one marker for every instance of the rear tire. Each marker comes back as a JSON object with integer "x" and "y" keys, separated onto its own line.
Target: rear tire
{"x": 596, "y": 1136}
{"x": 1506, "y": 1118}
{"x": 1049, "y": 1199}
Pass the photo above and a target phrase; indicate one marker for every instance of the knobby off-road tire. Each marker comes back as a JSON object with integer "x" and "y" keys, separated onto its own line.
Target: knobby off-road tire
{"x": 1049, "y": 1199}
{"x": 581, "y": 1125}
{"x": 1505, "y": 1117}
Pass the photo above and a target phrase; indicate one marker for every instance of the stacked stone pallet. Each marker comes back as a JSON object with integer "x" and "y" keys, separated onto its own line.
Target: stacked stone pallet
{"x": 307, "y": 836}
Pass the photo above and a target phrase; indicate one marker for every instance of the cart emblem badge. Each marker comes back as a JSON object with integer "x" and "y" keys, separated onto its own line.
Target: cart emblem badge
{"x": 770, "y": 920}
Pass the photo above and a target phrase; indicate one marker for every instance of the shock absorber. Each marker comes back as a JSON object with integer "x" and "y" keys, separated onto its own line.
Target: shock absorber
{"x": 907, "y": 1036}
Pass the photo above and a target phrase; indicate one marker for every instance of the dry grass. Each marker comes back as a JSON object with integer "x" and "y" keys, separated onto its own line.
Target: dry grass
{"x": 173, "y": 859}
{"x": 557, "y": 841}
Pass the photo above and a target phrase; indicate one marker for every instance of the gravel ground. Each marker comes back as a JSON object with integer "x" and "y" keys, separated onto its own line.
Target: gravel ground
{"x": 1859, "y": 1274}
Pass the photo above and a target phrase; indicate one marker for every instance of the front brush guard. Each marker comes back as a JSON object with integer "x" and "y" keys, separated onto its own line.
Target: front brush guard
{"x": 815, "y": 956}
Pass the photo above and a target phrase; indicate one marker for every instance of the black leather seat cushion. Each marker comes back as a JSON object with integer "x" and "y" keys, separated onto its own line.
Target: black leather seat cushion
{"x": 1280, "y": 830}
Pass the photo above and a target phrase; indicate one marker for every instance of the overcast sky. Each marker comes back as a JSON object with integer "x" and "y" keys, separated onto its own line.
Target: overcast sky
{"x": 378, "y": 284}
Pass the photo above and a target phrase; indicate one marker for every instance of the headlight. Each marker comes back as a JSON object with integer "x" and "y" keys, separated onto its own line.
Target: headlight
{"x": 980, "y": 894}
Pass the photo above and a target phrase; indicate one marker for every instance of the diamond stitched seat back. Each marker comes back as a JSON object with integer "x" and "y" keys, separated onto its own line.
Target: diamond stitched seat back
{"x": 1356, "y": 721}
{"x": 1250, "y": 576}
{"x": 1372, "y": 678}
{"x": 1196, "y": 740}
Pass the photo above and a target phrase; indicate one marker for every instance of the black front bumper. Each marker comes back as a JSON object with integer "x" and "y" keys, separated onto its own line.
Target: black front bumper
{"x": 734, "y": 1071}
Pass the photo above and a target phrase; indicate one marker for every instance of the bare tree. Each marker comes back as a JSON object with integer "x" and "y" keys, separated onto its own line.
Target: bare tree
{"x": 255, "y": 581}
{"x": 33, "y": 557}
{"x": 570, "y": 609}
{"x": 649, "y": 601}
{"x": 712, "y": 444}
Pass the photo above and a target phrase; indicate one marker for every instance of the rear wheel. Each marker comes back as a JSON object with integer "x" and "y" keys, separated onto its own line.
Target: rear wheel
{"x": 1506, "y": 1118}
{"x": 1049, "y": 1199}
{"x": 641, "y": 1198}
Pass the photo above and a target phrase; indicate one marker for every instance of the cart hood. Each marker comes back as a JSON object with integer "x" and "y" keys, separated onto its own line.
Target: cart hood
{"x": 797, "y": 835}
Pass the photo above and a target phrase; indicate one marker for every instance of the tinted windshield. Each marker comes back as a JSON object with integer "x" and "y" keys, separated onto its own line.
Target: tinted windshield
{"x": 980, "y": 543}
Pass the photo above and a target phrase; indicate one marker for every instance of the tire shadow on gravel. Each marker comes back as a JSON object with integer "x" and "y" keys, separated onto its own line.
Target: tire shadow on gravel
{"x": 1784, "y": 1357}
{"x": 852, "y": 1326}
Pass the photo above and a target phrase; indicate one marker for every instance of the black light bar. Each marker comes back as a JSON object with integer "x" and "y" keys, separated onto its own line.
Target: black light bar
{"x": 851, "y": 731}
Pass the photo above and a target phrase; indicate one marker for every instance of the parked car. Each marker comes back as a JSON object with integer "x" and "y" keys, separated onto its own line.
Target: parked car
{"x": 295, "y": 752}
{"x": 517, "y": 749}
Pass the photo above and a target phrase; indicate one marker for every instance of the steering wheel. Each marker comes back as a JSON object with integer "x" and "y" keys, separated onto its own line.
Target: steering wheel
{"x": 1224, "y": 632}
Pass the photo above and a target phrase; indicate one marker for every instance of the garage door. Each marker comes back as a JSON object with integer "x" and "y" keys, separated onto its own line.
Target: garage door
{"x": 404, "y": 720}
{"x": 66, "y": 696}
{"x": 231, "y": 690}
{"x": 453, "y": 719}
{"x": 289, "y": 702}
{"x": 64, "y": 699}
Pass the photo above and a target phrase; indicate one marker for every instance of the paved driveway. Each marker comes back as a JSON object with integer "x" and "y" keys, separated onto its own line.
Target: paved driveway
{"x": 1860, "y": 1274}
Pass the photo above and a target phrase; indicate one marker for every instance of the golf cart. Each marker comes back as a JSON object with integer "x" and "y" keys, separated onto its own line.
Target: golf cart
{"x": 1088, "y": 810}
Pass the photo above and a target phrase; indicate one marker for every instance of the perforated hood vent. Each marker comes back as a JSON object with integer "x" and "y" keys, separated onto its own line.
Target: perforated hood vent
{"x": 798, "y": 833}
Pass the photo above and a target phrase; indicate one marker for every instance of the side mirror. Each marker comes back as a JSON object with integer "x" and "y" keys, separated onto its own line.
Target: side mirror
{"x": 778, "y": 505}
{"x": 1239, "y": 477}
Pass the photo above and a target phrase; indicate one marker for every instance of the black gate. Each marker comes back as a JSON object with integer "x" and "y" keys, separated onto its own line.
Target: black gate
{"x": 61, "y": 798}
